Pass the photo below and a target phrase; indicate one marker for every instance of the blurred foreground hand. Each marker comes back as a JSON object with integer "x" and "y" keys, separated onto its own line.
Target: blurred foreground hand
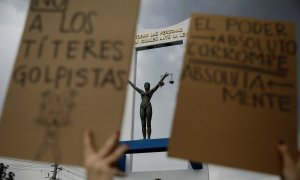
{"x": 101, "y": 164}
{"x": 290, "y": 169}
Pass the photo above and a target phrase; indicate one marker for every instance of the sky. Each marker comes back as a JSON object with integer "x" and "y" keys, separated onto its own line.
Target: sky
{"x": 150, "y": 65}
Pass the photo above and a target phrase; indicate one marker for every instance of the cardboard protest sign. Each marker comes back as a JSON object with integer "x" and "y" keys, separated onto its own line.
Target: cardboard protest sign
{"x": 237, "y": 96}
{"x": 70, "y": 74}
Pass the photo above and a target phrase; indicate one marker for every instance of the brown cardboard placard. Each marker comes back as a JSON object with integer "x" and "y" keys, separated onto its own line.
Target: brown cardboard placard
{"x": 70, "y": 74}
{"x": 237, "y": 96}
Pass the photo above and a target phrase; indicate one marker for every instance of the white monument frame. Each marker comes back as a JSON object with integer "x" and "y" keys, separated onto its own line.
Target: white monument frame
{"x": 150, "y": 39}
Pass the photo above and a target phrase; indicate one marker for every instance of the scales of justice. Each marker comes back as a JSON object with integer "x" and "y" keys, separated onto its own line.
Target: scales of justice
{"x": 146, "y": 106}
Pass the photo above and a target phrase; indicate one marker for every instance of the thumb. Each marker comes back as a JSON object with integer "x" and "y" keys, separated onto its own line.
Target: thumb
{"x": 285, "y": 155}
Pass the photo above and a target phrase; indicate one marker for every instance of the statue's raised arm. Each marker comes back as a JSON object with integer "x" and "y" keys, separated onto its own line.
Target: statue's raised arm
{"x": 160, "y": 83}
{"x": 136, "y": 88}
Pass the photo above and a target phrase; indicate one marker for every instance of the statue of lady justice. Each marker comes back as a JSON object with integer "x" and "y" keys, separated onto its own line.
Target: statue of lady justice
{"x": 146, "y": 107}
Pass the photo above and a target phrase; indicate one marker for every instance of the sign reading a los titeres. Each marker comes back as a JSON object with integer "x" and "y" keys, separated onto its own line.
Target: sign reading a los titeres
{"x": 71, "y": 73}
{"x": 237, "y": 97}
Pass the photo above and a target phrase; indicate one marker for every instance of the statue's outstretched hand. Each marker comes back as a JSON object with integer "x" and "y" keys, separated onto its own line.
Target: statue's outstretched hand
{"x": 291, "y": 168}
{"x": 101, "y": 164}
{"x": 166, "y": 75}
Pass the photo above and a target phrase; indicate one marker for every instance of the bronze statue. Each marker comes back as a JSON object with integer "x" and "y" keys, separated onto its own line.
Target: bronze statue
{"x": 146, "y": 107}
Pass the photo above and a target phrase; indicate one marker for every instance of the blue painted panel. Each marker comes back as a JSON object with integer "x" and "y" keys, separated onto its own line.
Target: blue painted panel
{"x": 147, "y": 145}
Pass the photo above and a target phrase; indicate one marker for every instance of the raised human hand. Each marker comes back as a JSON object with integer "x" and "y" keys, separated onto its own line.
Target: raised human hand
{"x": 101, "y": 164}
{"x": 290, "y": 168}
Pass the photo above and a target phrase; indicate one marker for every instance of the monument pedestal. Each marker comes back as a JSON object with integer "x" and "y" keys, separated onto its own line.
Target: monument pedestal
{"x": 148, "y": 146}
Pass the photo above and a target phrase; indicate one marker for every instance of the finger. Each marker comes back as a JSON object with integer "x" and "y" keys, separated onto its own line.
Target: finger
{"x": 117, "y": 172}
{"x": 286, "y": 157}
{"x": 116, "y": 155}
{"x": 109, "y": 145}
{"x": 88, "y": 143}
